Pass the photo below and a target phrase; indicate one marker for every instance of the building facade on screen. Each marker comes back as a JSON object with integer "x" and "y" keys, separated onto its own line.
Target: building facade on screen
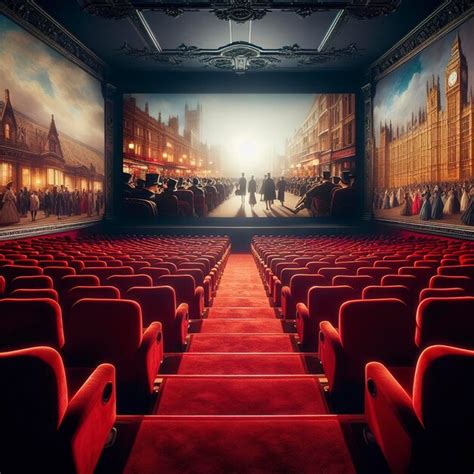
{"x": 156, "y": 144}
{"x": 436, "y": 142}
{"x": 326, "y": 138}
{"x": 51, "y": 129}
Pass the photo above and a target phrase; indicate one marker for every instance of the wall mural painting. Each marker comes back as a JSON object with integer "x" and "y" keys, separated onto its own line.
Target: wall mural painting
{"x": 51, "y": 135}
{"x": 424, "y": 128}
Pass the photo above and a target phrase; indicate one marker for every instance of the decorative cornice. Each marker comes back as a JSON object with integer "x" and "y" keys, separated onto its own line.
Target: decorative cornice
{"x": 240, "y": 56}
{"x": 429, "y": 30}
{"x": 38, "y": 22}
{"x": 240, "y": 11}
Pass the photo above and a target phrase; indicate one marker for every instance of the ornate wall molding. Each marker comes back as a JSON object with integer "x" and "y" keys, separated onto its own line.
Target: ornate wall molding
{"x": 367, "y": 94}
{"x": 240, "y": 11}
{"x": 424, "y": 34}
{"x": 110, "y": 96}
{"x": 240, "y": 56}
{"x": 36, "y": 21}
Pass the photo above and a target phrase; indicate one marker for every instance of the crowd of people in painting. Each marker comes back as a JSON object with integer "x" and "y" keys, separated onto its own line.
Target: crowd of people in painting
{"x": 57, "y": 201}
{"x": 430, "y": 201}
{"x": 178, "y": 196}
{"x": 322, "y": 196}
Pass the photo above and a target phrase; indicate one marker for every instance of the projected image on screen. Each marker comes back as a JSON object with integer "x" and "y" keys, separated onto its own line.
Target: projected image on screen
{"x": 239, "y": 155}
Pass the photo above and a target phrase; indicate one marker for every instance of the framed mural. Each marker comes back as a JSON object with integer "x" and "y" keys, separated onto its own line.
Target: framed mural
{"x": 422, "y": 134}
{"x": 52, "y": 142}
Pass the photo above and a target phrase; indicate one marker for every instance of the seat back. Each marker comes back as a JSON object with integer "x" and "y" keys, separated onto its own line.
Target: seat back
{"x": 457, "y": 270}
{"x": 375, "y": 330}
{"x": 103, "y": 330}
{"x": 358, "y": 282}
{"x": 377, "y": 273}
{"x": 154, "y": 273}
{"x": 324, "y": 302}
{"x": 171, "y": 267}
{"x": 104, "y": 273}
{"x": 196, "y": 273}
{"x": 70, "y": 281}
{"x": 398, "y": 292}
{"x": 330, "y": 272}
{"x": 441, "y": 293}
{"x": 10, "y": 272}
{"x": 452, "y": 281}
{"x": 31, "y": 282}
{"x": 300, "y": 285}
{"x": 28, "y": 293}
{"x": 103, "y": 292}
{"x": 30, "y": 322}
{"x": 443, "y": 392}
{"x": 422, "y": 275}
{"x": 56, "y": 273}
{"x": 183, "y": 286}
{"x": 125, "y": 282}
{"x": 33, "y": 403}
{"x": 445, "y": 321}
{"x": 288, "y": 273}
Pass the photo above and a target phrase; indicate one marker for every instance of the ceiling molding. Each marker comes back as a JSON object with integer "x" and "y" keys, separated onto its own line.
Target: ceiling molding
{"x": 240, "y": 11}
{"x": 240, "y": 56}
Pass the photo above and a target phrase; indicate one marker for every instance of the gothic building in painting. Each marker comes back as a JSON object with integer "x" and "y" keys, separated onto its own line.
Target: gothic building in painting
{"x": 436, "y": 144}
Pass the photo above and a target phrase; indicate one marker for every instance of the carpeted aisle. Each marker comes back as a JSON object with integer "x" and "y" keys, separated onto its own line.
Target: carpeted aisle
{"x": 238, "y": 356}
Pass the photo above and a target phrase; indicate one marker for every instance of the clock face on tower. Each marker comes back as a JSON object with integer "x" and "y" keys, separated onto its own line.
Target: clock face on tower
{"x": 452, "y": 79}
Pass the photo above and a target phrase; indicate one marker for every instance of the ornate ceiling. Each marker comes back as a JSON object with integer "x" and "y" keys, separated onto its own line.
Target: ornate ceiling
{"x": 239, "y": 35}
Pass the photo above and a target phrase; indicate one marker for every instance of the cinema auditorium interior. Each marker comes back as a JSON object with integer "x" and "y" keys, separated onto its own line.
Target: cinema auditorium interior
{"x": 236, "y": 236}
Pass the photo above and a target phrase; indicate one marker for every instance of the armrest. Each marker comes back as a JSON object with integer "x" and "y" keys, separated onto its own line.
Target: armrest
{"x": 390, "y": 415}
{"x": 207, "y": 286}
{"x": 151, "y": 353}
{"x": 88, "y": 420}
{"x": 182, "y": 322}
{"x": 277, "y": 292}
{"x": 199, "y": 299}
{"x": 302, "y": 311}
{"x": 331, "y": 354}
{"x": 287, "y": 307}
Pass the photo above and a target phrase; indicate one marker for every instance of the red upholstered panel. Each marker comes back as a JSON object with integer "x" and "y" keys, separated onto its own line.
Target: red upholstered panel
{"x": 103, "y": 330}
{"x": 300, "y": 285}
{"x": 443, "y": 392}
{"x": 3, "y": 285}
{"x": 125, "y": 282}
{"x": 70, "y": 281}
{"x": 155, "y": 273}
{"x": 398, "y": 292}
{"x": 104, "y": 273}
{"x": 183, "y": 286}
{"x": 445, "y": 321}
{"x": 358, "y": 282}
{"x": 103, "y": 292}
{"x": 56, "y": 273}
{"x": 441, "y": 293}
{"x": 464, "y": 270}
{"x": 376, "y": 273}
{"x": 28, "y": 293}
{"x": 28, "y": 322}
{"x": 36, "y": 282}
{"x": 9, "y": 272}
{"x": 448, "y": 281}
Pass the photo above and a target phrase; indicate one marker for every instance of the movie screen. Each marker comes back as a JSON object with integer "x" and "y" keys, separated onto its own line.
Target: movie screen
{"x": 239, "y": 155}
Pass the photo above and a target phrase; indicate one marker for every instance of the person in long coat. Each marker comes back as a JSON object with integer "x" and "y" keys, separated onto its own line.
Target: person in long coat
{"x": 281, "y": 187}
{"x": 242, "y": 188}
{"x": 9, "y": 213}
{"x": 269, "y": 192}
{"x": 252, "y": 191}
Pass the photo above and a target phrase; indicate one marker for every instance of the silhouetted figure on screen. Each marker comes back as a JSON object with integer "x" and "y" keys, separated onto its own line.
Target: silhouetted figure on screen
{"x": 281, "y": 187}
{"x": 252, "y": 192}
{"x": 243, "y": 188}
{"x": 269, "y": 192}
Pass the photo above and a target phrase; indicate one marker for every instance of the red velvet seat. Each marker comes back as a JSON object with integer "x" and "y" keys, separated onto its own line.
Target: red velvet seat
{"x": 32, "y": 282}
{"x": 124, "y": 282}
{"x": 53, "y": 263}
{"x": 56, "y": 273}
{"x": 30, "y": 322}
{"x": 104, "y": 273}
{"x": 376, "y": 273}
{"x": 446, "y": 320}
{"x": 171, "y": 267}
{"x": 45, "y": 430}
{"x": 358, "y": 282}
{"x": 154, "y": 273}
{"x": 10, "y": 272}
{"x": 457, "y": 270}
{"x": 158, "y": 303}
{"x": 27, "y": 262}
{"x": 285, "y": 277}
{"x": 3, "y": 286}
{"x": 297, "y": 292}
{"x": 422, "y": 275}
{"x": 398, "y": 292}
{"x": 80, "y": 292}
{"x": 323, "y": 304}
{"x": 104, "y": 330}
{"x": 186, "y": 292}
{"x": 137, "y": 265}
{"x": 448, "y": 281}
{"x": 441, "y": 293}
{"x": 28, "y": 293}
{"x": 330, "y": 272}
{"x": 428, "y": 429}
{"x": 369, "y": 330}
{"x": 200, "y": 280}
{"x": 393, "y": 264}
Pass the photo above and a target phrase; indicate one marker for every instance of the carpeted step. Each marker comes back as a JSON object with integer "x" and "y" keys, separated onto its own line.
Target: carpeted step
{"x": 241, "y": 395}
{"x": 239, "y": 302}
{"x": 238, "y": 326}
{"x": 240, "y": 364}
{"x": 241, "y": 343}
{"x": 234, "y": 312}
{"x": 214, "y": 445}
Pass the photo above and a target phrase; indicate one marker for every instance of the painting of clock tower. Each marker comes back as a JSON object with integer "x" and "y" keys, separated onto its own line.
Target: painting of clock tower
{"x": 456, "y": 98}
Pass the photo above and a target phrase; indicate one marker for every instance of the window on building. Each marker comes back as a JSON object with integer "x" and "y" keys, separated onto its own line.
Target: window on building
{"x": 348, "y": 134}
{"x": 6, "y": 132}
{"x": 6, "y": 173}
{"x": 55, "y": 177}
{"x": 25, "y": 177}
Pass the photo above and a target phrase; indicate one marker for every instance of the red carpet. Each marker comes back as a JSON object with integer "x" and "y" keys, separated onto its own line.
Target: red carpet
{"x": 229, "y": 445}
{"x": 263, "y": 312}
{"x": 240, "y": 343}
{"x": 241, "y": 396}
{"x": 241, "y": 326}
{"x": 240, "y": 364}
{"x": 240, "y": 301}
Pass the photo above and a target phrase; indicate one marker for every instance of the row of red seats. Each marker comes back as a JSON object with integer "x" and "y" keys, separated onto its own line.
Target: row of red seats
{"x": 388, "y": 320}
